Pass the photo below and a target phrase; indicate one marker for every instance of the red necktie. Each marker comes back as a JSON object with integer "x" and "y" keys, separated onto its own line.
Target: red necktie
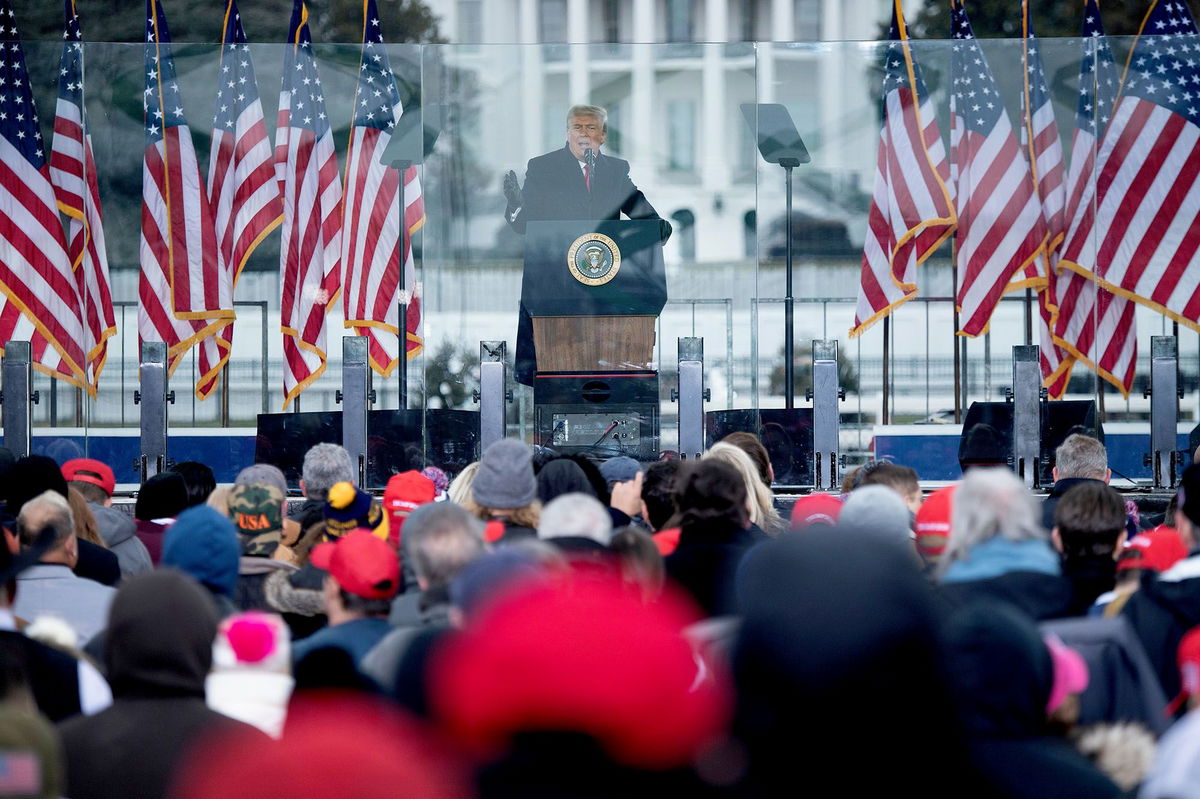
{"x": 587, "y": 176}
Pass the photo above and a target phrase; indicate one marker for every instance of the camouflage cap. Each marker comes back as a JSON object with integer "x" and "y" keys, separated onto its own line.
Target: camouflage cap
{"x": 257, "y": 512}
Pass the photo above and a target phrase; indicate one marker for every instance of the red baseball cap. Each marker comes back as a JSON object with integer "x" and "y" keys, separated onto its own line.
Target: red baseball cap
{"x": 362, "y": 564}
{"x": 1157, "y": 550}
{"x": 816, "y": 509}
{"x": 932, "y": 525}
{"x": 404, "y": 493}
{"x": 1189, "y": 669}
{"x": 90, "y": 470}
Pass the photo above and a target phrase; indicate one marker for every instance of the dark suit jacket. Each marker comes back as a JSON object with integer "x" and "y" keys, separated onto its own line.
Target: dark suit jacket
{"x": 555, "y": 189}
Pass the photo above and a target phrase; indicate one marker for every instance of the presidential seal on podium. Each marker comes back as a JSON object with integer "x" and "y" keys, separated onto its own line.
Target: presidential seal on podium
{"x": 594, "y": 259}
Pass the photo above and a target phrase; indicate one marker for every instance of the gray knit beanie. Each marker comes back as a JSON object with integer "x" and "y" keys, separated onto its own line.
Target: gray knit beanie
{"x": 877, "y": 509}
{"x": 505, "y": 478}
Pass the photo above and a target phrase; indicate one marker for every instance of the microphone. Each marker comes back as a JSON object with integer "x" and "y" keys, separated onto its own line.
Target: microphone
{"x": 589, "y": 157}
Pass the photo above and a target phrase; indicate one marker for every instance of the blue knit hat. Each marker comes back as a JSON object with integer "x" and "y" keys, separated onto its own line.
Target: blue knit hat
{"x": 203, "y": 544}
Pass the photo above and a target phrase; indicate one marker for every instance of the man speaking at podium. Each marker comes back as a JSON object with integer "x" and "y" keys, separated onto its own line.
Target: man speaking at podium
{"x": 576, "y": 182}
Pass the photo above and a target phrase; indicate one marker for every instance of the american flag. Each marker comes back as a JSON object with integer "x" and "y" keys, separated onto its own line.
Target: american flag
{"x": 184, "y": 297}
{"x": 371, "y": 230}
{"x": 911, "y": 212}
{"x": 1000, "y": 228}
{"x": 242, "y": 190}
{"x": 1095, "y": 326}
{"x": 1039, "y": 134}
{"x": 41, "y": 295}
{"x": 311, "y": 244}
{"x": 1142, "y": 240}
{"x": 73, "y": 173}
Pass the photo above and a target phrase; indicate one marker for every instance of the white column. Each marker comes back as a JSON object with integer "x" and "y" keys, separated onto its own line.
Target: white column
{"x": 714, "y": 165}
{"x": 533, "y": 77}
{"x": 641, "y": 125}
{"x": 782, "y": 20}
{"x": 577, "y": 34}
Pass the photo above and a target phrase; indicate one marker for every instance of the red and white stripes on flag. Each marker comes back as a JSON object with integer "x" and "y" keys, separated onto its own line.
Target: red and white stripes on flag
{"x": 1094, "y": 326}
{"x": 371, "y": 230}
{"x": 1000, "y": 228}
{"x": 73, "y": 173}
{"x": 1040, "y": 136}
{"x": 911, "y": 212}
{"x": 1141, "y": 239}
{"x": 242, "y": 188}
{"x": 184, "y": 298}
{"x": 41, "y": 292}
{"x": 311, "y": 244}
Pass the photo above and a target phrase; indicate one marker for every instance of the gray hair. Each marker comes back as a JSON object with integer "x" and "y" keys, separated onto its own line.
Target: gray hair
{"x": 48, "y": 509}
{"x": 990, "y": 503}
{"x": 576, "y": 515}
{"x": 326, "y": 465}
{"x": 442, "y": 539}
{"x": 588, "y": 111}
{"x": 1081, "y": 456}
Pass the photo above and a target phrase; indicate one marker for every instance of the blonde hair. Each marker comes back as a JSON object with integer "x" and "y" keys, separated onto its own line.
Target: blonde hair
{"x": 460, "y": 487}
{"x": 760, "y": 502}
{"x": 85, "y": 521}
{"x": 528, "y": 516}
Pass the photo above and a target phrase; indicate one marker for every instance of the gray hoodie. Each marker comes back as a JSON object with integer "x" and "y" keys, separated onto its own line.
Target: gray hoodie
{"x": 117, "y": 530}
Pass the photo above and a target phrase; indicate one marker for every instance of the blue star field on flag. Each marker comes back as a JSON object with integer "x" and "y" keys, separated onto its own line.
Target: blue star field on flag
{"x": 1165, "y": 68}
{"x": 378, "y": 99}
{"x": 237, "y": 89}
{"x": 976, "y": 98}
{"x": 161, "y": 100}
{"x": 19, "y": 121}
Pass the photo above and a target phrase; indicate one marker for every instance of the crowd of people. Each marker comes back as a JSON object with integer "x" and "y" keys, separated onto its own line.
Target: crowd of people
{"x": 547, "y": 626}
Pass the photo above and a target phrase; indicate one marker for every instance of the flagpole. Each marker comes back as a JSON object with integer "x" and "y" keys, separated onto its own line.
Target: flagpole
{"x": 402, "y": 327}
{"x": 954, "y": 332}
{"x": 885, "y": 417}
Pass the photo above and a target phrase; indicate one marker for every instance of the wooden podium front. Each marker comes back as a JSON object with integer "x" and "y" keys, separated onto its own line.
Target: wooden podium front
{"x": 593, "y": 343}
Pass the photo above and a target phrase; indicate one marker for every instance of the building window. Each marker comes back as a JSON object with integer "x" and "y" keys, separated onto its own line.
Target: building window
{"x": 748, "y": 21}
{"x": 807, "y": 20}
{"x": 610, "y": 11}
{"x": 613, "y": 143}
{"x": 685, "y": 232}
{"x": 681, "y": 135}
{"x": 470, "y": 22}
{"x": 554, "y": 20}
{"x": 750, "y": 233}
{"x": 680, "y": 21}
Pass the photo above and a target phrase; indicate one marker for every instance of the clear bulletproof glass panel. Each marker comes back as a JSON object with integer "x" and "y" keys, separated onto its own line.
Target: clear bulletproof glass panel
{"x": 475, "y": 112}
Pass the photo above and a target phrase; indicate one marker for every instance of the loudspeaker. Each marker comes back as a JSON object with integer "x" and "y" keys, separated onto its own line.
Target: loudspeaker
{"x": 598, "y": 414}
{"x": 396, "y": 441}
{"x": 786, "y": 433}
{"x": 1060, "y": 419}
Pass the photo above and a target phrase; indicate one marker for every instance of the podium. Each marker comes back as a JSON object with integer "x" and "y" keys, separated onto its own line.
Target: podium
{"x": 593, "y": 291}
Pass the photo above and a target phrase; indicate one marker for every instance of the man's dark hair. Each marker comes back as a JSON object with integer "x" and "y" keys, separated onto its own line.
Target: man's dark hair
{"x": 163, "y": 496}
{"x": 1090, "y": 518}
{"x": 658, "y": 492}
{"x": 901, "y": 479}
{"x": 199, "y": 479}
{"x": 752, "y": 446}
{"x": 89, "y": 491}
{"x": 368, "y": 607}
{"x": 711, "y": 490}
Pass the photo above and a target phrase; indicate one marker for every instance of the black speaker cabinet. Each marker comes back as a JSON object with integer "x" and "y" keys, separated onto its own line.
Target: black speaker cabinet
{"x": 600, "y": 414}
{"x": 396, "y": 440}
{"x": 787, "y": 435}
{"x": 1059, "y": 420}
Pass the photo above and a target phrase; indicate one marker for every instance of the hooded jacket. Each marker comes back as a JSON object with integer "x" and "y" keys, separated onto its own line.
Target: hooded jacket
{"x": 117, "y": 529}
{"x": 1024, "y": 574}
{"x": 158, "y": 654}
{"x": 1161, "y": 612}
{"x": 1003, "y": 673}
